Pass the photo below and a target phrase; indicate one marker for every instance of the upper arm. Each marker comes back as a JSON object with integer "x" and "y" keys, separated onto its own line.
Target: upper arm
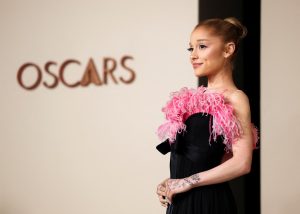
{"x": 242, "y": 148}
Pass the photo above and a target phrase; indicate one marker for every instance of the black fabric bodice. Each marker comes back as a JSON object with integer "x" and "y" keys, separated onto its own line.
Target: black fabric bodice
{"x": 192, "y": 152}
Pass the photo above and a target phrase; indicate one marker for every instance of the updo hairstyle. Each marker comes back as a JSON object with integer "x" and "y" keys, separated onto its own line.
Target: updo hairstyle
{"x": 229, "y": 29}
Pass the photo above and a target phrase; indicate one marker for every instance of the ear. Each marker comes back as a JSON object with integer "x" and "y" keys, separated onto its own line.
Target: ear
{"x": 229, "y": 49}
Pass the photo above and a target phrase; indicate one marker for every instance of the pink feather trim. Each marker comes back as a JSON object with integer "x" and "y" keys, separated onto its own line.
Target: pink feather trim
{"x": 186, "y": 102}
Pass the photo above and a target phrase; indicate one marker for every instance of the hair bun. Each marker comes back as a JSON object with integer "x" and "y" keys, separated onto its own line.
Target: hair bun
{"x": 241, "y": 28}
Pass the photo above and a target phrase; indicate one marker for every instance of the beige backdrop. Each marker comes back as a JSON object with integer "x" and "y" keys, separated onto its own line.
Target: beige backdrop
{"x": 280, "y": 105}
{"x": 88, "y": 149}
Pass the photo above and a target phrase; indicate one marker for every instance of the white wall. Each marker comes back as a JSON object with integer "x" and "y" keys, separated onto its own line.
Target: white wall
{"x": 280, "y": 107}
{"x": 88, "y": 149}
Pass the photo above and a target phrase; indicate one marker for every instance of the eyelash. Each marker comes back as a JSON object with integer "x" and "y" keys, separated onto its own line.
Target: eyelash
{"x": 190, "y": 49}
{"x": 200, "y": 47}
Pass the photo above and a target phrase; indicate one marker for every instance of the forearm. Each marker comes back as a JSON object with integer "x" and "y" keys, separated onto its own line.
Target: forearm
{"x": 226, "y": 171}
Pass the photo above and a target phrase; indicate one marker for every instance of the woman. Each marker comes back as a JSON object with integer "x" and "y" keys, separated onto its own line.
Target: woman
{"x": 208, "y": 129}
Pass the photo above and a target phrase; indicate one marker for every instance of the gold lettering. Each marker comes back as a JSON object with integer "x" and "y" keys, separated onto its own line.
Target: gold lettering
{"x": 20, "y": 73}
{"x": 62, "y": 70}
{"x": 55, "y": 83}
{"x": 130, "y": 80}
{"x": 90, "y": 74}
{"x": 109, "y": 71}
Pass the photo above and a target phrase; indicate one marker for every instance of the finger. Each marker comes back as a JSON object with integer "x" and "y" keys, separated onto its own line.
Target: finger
{"x": 169, "y": 196}
{"x": 168, "y": 191}
{"x": 161, "y": 193}
{"x": 160, "y": 190}
{"x": 169, "y": 200}
{"x": 164, "y": 181}
{"x": 158, "y": 187}
{"x": 164, "y": 204}
{"x": 163, "y": 201}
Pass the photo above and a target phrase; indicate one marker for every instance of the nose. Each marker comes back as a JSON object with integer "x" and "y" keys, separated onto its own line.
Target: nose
{"x": 193, "y": 55}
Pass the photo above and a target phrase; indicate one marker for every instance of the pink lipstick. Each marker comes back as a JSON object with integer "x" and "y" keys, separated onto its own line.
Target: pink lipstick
{"x": 196, "y": 65}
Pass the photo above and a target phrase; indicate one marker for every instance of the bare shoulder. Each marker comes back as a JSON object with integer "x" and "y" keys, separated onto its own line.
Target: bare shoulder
{"x": 238, "y": 98}
{"x": 240, "y": 103}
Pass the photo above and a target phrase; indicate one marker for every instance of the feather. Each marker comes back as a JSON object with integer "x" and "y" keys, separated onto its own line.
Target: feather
{"x": 185, "y": 102}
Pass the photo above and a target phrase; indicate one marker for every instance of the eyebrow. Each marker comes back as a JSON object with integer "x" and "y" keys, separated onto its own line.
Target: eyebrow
{"x": 199, "y": 40}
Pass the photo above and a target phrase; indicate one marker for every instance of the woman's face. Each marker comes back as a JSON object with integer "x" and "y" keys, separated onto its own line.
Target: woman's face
{"x": 207, "y": 52}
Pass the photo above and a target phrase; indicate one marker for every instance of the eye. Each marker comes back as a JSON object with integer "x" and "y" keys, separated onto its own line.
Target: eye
{"x": 190, "y": 49}
{"x": 202, "y": 46}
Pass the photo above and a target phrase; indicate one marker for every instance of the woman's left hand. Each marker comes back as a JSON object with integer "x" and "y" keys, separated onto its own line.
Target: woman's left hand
{"x": 175, "y": 186}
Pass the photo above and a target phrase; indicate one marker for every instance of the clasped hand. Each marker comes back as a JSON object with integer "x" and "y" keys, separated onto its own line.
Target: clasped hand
{"x": 169, "y": 187}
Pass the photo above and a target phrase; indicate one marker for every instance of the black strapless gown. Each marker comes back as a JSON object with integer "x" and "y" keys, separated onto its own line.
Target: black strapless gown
{"x": 192, "y": 153}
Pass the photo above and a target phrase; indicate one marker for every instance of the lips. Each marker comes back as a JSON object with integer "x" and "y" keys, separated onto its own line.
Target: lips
{"x": 196, "y": 65}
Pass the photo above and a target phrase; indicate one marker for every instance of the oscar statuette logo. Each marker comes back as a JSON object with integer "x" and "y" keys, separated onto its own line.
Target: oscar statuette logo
{"x": 110, "y": 70}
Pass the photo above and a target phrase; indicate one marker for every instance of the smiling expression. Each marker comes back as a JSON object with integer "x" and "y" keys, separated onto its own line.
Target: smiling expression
{"x": 207, "y": 52}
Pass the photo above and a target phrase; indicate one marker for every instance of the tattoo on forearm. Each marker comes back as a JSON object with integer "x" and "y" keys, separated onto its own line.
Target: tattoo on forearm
{"x": 177, "y": 184}
{"x": 193, "y": 179}
{"x": 187, "y": 180}
{"x": 182, "y": 183}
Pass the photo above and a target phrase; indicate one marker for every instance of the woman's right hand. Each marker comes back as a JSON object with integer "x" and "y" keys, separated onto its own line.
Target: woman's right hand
{"x": 161, "y": 192}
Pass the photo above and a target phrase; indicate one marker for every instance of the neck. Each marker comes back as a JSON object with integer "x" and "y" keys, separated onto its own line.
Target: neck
{"x": 221, "y": 80}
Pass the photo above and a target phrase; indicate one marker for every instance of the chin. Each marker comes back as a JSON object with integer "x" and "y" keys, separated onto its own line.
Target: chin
{"x": 199, "y": 74}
